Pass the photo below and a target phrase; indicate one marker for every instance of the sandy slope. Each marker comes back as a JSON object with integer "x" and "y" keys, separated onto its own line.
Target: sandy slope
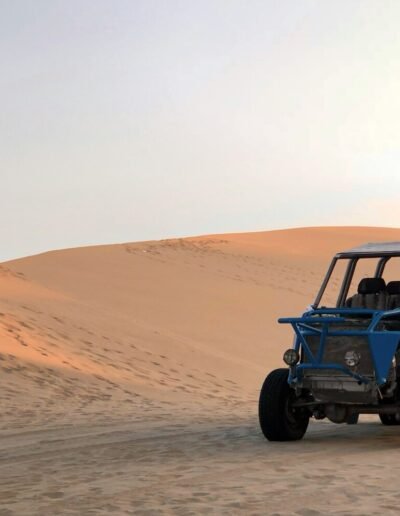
{"x": 130, "y": 375}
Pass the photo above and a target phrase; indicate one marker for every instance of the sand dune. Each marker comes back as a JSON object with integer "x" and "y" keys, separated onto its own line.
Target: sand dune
{"x": 130, "y": 375}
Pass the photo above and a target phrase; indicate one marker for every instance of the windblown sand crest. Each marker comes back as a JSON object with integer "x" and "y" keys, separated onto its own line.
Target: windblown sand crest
{"x": 130, "y": 376}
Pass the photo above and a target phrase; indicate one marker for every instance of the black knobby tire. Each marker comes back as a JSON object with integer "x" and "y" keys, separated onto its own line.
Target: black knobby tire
{"x": 353, "y": 419}
{"x": 389, "y": 419}
{"x": 278, "y": 421}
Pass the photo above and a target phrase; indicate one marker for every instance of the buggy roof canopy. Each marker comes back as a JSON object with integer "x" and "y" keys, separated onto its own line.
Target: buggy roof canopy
{"x": 372, "y": 250}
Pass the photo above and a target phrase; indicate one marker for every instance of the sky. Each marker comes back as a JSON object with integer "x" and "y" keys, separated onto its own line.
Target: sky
{"x": 128, "y": 120}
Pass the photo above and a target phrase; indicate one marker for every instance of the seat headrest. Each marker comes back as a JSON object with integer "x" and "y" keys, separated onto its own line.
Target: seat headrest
{"x": 371, "y": 285}
{"x": 393, "y": 287}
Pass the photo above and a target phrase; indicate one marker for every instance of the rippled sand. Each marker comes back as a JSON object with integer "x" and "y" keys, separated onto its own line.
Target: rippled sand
{"x": 129, "y": 378}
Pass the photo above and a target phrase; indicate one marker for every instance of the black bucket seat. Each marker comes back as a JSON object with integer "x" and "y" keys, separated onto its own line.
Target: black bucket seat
{"x": 371, "y": 294}
{"x": 393, "y": 291}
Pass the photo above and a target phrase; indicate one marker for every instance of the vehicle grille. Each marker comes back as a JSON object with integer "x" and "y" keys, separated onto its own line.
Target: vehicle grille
{"x": 335, "y": 350}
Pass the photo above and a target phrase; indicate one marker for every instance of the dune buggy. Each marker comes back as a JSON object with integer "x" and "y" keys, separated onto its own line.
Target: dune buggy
{"x": 345, "y": 358}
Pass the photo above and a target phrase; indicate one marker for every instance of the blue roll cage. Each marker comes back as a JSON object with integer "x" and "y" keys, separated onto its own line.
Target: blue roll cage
{"x": 383, "y": 344}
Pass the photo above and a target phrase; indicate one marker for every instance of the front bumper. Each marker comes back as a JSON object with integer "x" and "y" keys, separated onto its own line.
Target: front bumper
{"x": 342, "y": 389}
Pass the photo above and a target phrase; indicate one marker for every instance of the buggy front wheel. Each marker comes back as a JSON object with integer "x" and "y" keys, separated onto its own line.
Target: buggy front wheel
{"x": 279, "y": 420}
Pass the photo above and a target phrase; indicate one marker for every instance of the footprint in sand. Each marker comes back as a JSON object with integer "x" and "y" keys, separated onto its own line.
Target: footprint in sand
{"x": 54, "y": 494}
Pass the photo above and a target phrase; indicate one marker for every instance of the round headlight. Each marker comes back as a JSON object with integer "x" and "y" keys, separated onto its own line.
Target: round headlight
{"x": 291, "y": 357}
{"x": 352, "y": 358}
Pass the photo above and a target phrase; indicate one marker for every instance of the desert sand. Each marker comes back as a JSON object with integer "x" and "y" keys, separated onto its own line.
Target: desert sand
{"x": 130, "y": 377}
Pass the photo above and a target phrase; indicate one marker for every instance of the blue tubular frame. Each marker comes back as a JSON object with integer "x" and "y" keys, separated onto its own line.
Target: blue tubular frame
{"x": 383, "y": 344}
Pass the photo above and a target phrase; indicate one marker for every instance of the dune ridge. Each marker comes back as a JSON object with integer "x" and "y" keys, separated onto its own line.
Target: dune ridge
{"x": 140, "y": 337}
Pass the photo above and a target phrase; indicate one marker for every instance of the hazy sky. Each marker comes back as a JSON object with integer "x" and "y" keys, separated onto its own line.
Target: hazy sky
{"x": 126, "y": 120}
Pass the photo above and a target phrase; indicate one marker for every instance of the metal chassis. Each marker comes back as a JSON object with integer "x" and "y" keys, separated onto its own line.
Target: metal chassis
{"x": 383, "y": 344}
